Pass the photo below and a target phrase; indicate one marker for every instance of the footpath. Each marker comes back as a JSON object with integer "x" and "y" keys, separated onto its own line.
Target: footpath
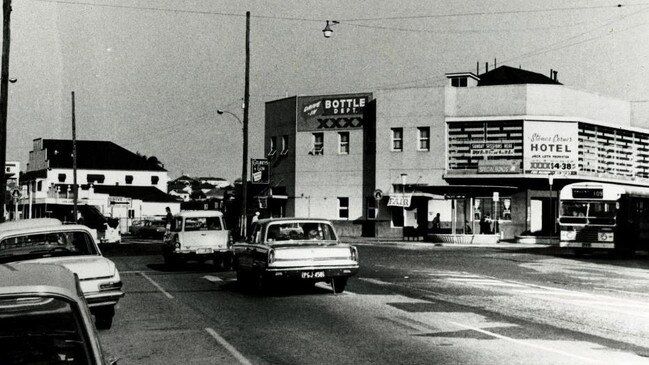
{"x": 396, "y": 241}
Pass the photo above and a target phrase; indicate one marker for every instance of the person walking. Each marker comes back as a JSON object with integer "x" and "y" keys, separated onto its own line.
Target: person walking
{"x": 485, "y": 224}
{"x": 436, "y": 223}
{"x": 169, "y": 219}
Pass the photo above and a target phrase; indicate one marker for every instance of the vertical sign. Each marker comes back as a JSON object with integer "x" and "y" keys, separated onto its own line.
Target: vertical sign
{"x": 260, "y": 171}
{"x": 550, "y": 147}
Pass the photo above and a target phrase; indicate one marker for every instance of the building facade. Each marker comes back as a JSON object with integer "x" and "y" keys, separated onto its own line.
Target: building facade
{"x": 500, "y": 144}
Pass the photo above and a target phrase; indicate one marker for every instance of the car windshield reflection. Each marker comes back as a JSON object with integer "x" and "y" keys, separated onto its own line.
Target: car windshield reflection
{"x": 46, "y": 245}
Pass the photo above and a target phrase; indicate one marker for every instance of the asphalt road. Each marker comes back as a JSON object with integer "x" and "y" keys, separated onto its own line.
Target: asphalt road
{"x": 410, "y": 304}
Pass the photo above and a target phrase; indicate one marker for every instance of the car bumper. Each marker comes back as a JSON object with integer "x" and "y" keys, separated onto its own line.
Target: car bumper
{"x": 310, "y": 273}
{"x": 198, "y": 252}
{"x": 574, "y": 244}
{"x": 98, "y": 299}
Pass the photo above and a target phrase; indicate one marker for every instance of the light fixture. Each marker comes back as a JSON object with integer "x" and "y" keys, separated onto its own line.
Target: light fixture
{"x": 327, "y": 31}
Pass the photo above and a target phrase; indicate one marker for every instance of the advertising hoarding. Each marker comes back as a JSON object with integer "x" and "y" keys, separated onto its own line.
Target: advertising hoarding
{"x": 332, "y": 111}
{"x": 260, "y": 171}
{"x": 550, "y": 148}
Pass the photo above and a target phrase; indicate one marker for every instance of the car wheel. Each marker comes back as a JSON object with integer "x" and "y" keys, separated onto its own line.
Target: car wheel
{"x": 104, "y": 318}
{"x": 338, "y": 284}
{"x": 260, "y": 283}
{"x": 170, "y": 260}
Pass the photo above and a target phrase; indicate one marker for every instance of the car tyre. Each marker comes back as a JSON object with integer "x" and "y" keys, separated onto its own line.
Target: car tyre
{"x": 104, "y": 318}
{"x": 170, "y": 260}
{"x": 339, "y": 284}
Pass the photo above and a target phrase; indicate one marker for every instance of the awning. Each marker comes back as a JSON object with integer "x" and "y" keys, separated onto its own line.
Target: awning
{"x": 444, "y": 191}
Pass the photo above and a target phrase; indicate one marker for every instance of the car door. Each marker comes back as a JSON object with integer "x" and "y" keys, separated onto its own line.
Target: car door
{"x": 245, "y": 251}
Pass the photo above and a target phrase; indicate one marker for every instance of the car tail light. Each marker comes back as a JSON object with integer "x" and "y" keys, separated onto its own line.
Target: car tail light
{"x": 230, "y": 240}
{"x": 354, "y": 253}
{"x": 177, "y": 243}
{"x": 271, "y": 256}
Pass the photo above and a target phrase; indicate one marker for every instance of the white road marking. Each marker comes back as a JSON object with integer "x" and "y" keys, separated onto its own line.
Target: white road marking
{"x": 157, "y": 286}
{"x": 211, "y": 278}
{"x": 523, "y": 343}
{"x": 624, "y": 291}
{"x": 242, "y": 359}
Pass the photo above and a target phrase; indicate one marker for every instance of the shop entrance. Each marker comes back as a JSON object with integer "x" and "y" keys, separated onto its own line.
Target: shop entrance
{"x": 542, "y": 216}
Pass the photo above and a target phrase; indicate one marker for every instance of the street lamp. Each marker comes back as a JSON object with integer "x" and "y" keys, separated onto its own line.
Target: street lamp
{"x": 327, "y": 31}
{"x": 244, "y": 172}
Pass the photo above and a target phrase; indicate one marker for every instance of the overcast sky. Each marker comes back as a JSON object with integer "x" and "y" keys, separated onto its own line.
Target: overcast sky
{"x": 150, "y": 74}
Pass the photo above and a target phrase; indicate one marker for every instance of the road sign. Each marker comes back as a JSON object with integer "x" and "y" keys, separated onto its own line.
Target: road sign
{"x": 378, "y": 194}
{"x": 16, "y": 193}
{"x": 496, "y": 196}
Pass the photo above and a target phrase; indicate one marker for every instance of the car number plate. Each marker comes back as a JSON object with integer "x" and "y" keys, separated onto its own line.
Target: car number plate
{"x": 313, "y": 274}
{"x": 204, "y": 250}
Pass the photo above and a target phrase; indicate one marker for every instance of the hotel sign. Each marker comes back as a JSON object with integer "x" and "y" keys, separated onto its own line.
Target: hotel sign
{"x": 550, "y": 147}
{"x": 332, "y": 111}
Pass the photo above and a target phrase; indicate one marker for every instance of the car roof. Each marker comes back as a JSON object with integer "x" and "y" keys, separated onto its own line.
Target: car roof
{"x": 199, "y": 213}
{"x": 40, "y": 225}
{"x": 28, "y": 223}
{"x": 34, "y": 278}
{"x": 293, "y": 220}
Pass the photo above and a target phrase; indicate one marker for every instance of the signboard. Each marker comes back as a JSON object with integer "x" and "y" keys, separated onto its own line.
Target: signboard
{"x": 378, "y": 194}
{"x": 332, "y": 111}
{"x": 119, "y": 200}
{"x": 587, "y": 193}
{"x": 260, "y": 171}
{"x": 492, "y": 149}
{"x": 550, "y": 147}
{"x": 496, "y": 196}
{"x": 400, "y": 200}
{"x": 16, "y": 193}
{"x": 499, "y": 166}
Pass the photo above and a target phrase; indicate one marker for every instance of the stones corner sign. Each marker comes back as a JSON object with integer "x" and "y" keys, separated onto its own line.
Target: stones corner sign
{"x": 550, "y": 147}
{"x": 332, "y": 111}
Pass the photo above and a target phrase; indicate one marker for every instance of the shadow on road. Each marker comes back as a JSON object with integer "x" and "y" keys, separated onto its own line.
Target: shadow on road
{"x": 639, "y": 260}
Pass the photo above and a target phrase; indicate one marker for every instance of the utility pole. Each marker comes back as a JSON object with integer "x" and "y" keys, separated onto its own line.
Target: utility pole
{"x": 4, "y": 88}
{"x": 75, "y": 188}
{"x": 246, "y": 108}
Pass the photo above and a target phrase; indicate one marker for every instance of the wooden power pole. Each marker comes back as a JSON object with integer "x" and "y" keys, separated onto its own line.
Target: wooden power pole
{"x": 4, "y": 88}
{"x": 246, "y": 108}
{"x": 75, "y": 187}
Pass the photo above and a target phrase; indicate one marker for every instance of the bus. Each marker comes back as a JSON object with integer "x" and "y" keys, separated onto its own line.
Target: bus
{"x": 604, "y": 216}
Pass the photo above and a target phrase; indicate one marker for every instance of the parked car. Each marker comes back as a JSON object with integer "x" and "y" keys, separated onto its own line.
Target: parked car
{"x": 299, "y": 249}
{"x": 44, "y": 318}
{"x": 135, "y": 227}
{"x": 150, "y": 228}
{"x": 198, "y": 235}
{"x": 47, "y": 240}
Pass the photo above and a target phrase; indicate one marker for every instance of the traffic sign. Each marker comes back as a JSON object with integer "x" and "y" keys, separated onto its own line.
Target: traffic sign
{"x": 378, "y": 194}
{"x": 16, "y": 193}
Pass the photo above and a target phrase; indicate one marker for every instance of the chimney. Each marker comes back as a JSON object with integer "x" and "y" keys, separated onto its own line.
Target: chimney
{"x": 486, "y": 66}
{"x": 477, "y": 68}
{"x": 555, "y": 75}
{"x": 495, "y": 64}
{"x": 551, "y": 73}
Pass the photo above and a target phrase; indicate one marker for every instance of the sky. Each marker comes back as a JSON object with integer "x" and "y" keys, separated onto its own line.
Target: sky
{"x": 150, "y": 75}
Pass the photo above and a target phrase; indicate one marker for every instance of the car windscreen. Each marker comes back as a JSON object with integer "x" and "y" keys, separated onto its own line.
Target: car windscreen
{"x": 42, "y": 330}
{"x": 203, "y": 224}
{"x": 300, "y": 231}
{"x": 39, "y": 245}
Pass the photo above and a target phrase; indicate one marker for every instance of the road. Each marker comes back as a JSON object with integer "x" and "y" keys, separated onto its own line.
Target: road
{"x": 413, "y": 303}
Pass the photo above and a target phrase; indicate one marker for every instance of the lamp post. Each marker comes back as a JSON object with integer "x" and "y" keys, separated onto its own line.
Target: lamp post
{"x": 327, "y": 31}
{"x": 244, "y": 172}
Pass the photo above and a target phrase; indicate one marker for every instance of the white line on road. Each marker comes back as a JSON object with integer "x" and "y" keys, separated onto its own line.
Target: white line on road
{"x": 157, "y": 286}
{"x": 528, "y": 344}
{"x": 211, "y": 278}
{"x": 624, "y": 291}
{"x": 242, "y": 359}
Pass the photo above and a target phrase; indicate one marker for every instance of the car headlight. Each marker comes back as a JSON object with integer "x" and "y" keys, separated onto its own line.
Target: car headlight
{"x": 113, "y": 285}
{"x": 568, "y": 235}
{"x": 605, "y": 236}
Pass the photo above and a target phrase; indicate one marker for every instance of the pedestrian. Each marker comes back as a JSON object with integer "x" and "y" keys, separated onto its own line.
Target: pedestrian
{"x": 255, "y": 217}
{"x": 169, "y": 219}
{"x": 485, "y": 224}
{"x": 436, "y": 223}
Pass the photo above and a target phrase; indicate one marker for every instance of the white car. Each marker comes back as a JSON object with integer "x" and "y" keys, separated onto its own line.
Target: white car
{"x": 47, "y": 240}
{"x": 198, "y": 235}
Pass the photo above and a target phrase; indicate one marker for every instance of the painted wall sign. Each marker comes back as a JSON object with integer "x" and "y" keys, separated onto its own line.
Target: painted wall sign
{"x": 492, "y": 149}
{"x": 400, "y": 200}
{"x": 550, "y": 147}
{"x": 332, "y": 111}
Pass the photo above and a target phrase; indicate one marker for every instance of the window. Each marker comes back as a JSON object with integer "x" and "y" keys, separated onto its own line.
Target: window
{"x": 154, "y": 180}
{"x": 397, "y": 139}
{"x": 371, "y": 207}
{"x": 62, "y": 177}
{"x": 343, "y": 208}
{"x": 128, "y": 179}
{"x": 273, "y": 147}
{"x": 92, "y": 179}
{"x": 39, "y": 185}
{"x": 284, "y": 145}
{"x": 343, "y": 143}
{"x": 318, "y": 144}
{"x": 423, "y": 134}
{"x": 459, "y": 81}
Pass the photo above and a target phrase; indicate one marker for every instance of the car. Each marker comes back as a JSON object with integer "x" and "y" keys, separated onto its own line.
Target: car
{"x": 135, "y": 227}
{"x": 47, "y": 240}
{"x": 199, "y": 235}
{"x": 44, "y": 318}
{"x": 305, "y": 250}
{"x": 149, "y": 228}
